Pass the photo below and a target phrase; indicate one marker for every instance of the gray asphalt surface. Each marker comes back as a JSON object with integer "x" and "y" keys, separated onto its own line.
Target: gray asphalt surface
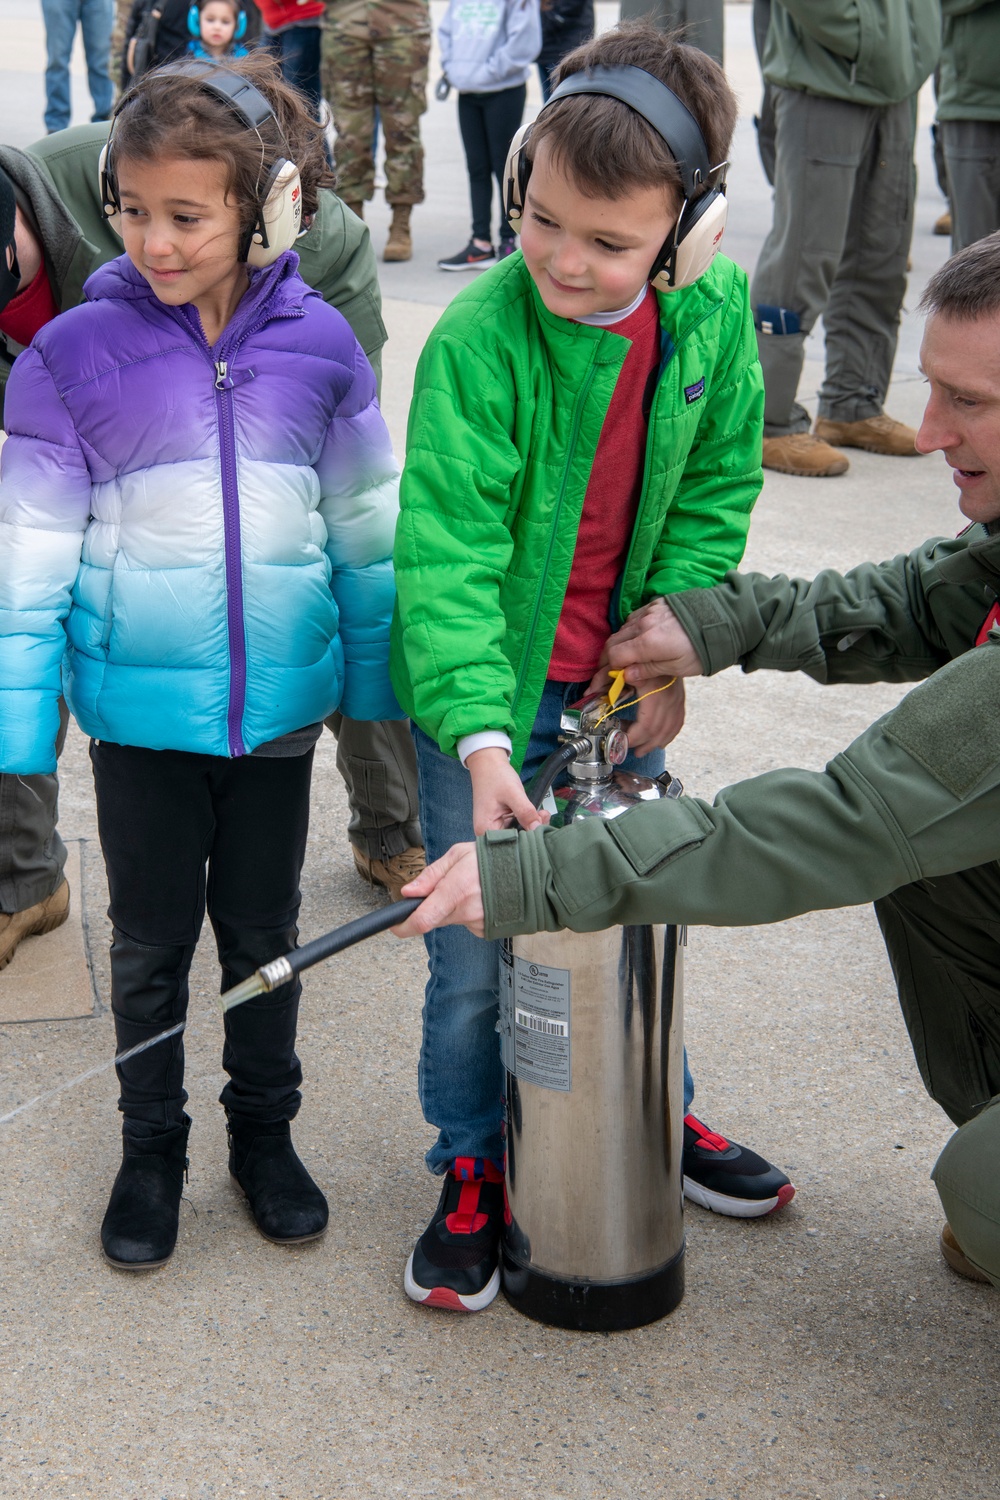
{"x": 825, "y": 1353}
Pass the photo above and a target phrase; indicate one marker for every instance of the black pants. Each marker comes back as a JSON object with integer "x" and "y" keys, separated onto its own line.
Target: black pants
{"x": 180, "y": 833}
{"x": 488, "y": 123}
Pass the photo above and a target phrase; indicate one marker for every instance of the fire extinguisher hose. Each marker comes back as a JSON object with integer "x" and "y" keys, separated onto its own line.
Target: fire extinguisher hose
{"x": 281, "y": 970}
{"x": 552, "y": 765}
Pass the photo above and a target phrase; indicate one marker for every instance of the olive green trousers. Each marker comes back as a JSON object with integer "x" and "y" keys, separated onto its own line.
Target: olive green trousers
{"x": 943, "y": 939}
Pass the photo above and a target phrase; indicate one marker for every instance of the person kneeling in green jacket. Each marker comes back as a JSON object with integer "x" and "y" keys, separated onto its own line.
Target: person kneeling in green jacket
{"x": 908, "y": 815}
{"x": 585, "y": 435}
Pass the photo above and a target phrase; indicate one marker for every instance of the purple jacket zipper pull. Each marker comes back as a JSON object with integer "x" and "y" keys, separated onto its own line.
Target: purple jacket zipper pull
{"x": 223, "y": 381}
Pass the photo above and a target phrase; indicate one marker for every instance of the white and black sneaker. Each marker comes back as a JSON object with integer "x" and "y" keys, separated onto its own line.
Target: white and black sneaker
{"x": 472, "y": 258}
{"x": 455, "y": 1263}
{"x": 728, "y": 1178}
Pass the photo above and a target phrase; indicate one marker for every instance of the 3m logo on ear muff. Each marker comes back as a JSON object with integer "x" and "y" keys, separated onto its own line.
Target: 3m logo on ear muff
{"x": 695, "y": 239}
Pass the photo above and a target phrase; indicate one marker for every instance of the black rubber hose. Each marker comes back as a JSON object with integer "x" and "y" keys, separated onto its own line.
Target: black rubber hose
{"x": 351, "y": 933}
{"x": 391, "y": 916}
{"x": 551, "y": 766}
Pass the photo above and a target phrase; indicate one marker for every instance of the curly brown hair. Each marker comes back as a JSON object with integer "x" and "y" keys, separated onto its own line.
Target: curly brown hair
{"x": 606, "y": 147}
{"x": 169, "y": 113}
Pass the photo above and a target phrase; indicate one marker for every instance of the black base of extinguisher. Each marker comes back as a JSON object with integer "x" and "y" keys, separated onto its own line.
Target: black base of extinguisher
{"x": 593, "y": 1306}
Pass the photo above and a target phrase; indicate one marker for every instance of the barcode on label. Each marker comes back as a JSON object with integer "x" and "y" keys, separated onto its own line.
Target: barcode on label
{"x": 538, "y": 1023}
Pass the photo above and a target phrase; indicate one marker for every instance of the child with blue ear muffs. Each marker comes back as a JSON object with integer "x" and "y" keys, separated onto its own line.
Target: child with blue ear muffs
{"x": 217, "y": 28}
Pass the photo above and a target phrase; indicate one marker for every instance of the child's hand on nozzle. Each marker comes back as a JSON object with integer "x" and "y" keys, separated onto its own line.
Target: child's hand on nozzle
{"x": 498, "y": 798}
{"x": 451, "y": 893}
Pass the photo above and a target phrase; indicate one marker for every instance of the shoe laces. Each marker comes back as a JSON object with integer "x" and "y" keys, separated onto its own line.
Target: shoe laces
{"x": 408, "y": 865}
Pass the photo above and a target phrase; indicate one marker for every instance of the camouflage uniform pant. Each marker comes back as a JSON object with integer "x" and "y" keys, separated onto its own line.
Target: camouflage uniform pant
{"x": 375, "y": 56}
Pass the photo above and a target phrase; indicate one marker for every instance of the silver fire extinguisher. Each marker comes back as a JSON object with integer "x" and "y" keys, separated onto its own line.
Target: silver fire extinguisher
{"x": 591, "y": 1039}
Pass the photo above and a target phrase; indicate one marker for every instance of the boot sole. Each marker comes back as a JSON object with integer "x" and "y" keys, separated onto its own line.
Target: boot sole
{"x": 871, "y": 448}
{"x": 135, "y": 1265}
{"x": 808, "y": 473}
{"x": 299, "y": 1239}
{"x": 863, "y": 447}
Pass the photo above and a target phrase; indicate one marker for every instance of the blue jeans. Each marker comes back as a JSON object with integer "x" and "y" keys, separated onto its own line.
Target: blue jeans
{"x": 61, "y": 17}
{"x": 297, "y": 49}
{"x": 459, "y": 1078}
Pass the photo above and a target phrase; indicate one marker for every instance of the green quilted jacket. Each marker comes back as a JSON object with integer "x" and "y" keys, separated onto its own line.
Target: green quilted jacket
{"x": 508, "y": 406}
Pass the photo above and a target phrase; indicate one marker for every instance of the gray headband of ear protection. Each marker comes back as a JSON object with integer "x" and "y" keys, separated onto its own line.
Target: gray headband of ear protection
{"x": 243, "y": 98}
{"x": 658, "y": 106}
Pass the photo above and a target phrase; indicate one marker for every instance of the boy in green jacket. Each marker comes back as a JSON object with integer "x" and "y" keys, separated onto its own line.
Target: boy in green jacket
{"x": 579, "y": 443}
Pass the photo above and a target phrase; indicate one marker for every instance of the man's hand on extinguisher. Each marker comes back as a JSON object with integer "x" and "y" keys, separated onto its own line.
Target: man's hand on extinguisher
{"x": 451, "y": 894}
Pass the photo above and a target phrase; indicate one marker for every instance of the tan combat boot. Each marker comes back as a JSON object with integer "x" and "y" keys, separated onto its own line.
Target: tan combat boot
{"x": 881, "y": 434}
{"x": 802, "y": 454}
{"x": 34, "y": 921}
{"x": 399, "y": 246}
{"x": 392, "y": 873}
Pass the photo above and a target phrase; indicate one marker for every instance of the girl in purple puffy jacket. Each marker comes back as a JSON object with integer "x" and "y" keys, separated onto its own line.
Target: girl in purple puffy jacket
{"x": 197, "y": 508}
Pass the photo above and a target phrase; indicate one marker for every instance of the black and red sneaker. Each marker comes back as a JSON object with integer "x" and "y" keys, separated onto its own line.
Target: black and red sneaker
{"x": 728, "y": 1178}
{"x": 456, "y": 1261}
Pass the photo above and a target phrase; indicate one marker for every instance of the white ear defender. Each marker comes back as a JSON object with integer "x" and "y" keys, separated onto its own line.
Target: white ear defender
{"x": 279, "y": 194}
{"x": 695, "y": 239}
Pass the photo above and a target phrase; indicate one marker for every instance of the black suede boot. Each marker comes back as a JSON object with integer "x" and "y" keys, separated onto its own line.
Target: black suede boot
{"x": 286, "y": 1204}
{"x": 140, "y": 1226}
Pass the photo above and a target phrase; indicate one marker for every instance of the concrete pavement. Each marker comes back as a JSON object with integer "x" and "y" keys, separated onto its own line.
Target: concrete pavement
{"x": 827, "y": 1354}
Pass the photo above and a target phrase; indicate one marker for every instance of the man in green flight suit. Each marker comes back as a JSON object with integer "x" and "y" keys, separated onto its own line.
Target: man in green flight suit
{"x": 907, "y": 816}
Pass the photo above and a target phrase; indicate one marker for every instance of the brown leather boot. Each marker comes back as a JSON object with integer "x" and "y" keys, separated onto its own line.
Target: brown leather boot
{"x": 34, "y": 921}
{"x": 802, "y": 454}
{"x": 358, "y": 209}
{"x": 399, "y": 245}
{"x": 881, "y": 434}
{"x": 392, "y": 873}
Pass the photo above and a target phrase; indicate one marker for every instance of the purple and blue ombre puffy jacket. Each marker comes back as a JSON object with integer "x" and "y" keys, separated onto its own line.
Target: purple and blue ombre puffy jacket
{"x": 195, "y": 542}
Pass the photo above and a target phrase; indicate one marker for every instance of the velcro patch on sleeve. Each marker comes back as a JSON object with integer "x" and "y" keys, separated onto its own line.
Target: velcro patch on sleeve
{"x": 951, "y": 723}
{"x": 503, "y": 867}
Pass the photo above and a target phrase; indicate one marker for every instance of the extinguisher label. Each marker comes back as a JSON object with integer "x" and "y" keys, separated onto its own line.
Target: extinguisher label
{"x": 537, "y": 1000}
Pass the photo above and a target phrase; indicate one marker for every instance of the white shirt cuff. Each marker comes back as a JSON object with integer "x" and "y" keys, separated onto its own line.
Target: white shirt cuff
{"x": 486, "y": 739}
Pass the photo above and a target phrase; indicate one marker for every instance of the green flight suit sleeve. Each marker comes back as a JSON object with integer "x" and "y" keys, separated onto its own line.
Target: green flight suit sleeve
{"x": 896, "y": 621}
{"x": 917, "y": 795}
{"x": 705, "y": 528}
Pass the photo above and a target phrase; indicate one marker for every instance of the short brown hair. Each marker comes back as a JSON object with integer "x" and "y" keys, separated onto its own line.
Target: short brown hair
{"x": 604, "y": 145}
{"x": 967, "y": 286}
{"x": 169, "y": 113}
